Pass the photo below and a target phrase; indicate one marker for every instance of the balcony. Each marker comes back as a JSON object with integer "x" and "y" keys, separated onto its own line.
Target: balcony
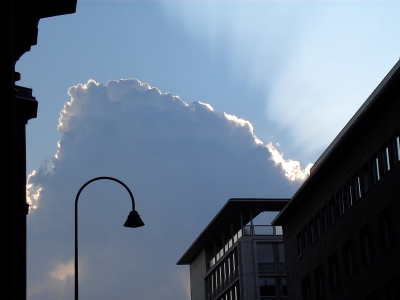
{"x": 248, "y": 230}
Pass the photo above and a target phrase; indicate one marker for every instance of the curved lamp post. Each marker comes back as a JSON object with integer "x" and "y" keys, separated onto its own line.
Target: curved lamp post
{"x": 132, "y": 221}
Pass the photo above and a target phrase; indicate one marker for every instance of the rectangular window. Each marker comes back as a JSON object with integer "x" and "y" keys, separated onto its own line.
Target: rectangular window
{"x": 266, "y": 257}
{"x": 319, "y": 282}
{"x": 385, "y": 159}
{"x": 325, "y": 222}
{"x": 220, "y": 275}
{"x": 375, "y": 169}
{"x": 349, "y": 259}
{"x": 311, "y": 228}
{"x": 386, "y": 230}
{"x": 318, "y": 225}
{"x": 281, "y": 253}
{"x": 347, "y": 196}
{"x": 396, "y": 149}
{"x": 225, "y": 271}
{"x": 356, "y": 188}
{"x": 333, "y": 211}
{"x": 265, "y": 253}
{"x": 233, "y": 263}
{"x": 299, "y": 244}
{"x": 236, "y": 293}
{"x": 306, "y": 288}
{"x": 229, "y": 266}
{"x": 333, "y": 266}
{"x": 364, "y": 179}
{"x": 284, "y": 287}
{"x": 367, "y": 256}
{"x": 339, "y": 204}
{"x": 306, "y": 238}
{"x": 267, "y": 286}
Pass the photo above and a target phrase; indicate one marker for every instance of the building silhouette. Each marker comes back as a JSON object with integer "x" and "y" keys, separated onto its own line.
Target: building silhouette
{"x": 342, "y": 227}
{"x": 20, "y": 26}
{"x": 234, "y": 259}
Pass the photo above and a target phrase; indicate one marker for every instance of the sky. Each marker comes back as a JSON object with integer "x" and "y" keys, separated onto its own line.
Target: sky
{"x": 189, "y": 103}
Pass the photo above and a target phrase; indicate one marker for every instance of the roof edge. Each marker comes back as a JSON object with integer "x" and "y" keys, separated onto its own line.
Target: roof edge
{"x": 280, "y": 218}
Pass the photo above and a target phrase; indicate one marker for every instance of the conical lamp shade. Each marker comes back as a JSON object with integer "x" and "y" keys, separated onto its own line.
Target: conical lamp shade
{"x": 133, "y": 220}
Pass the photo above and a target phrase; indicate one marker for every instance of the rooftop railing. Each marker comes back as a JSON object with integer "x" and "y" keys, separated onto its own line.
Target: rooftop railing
{"x": 248, "y": 230}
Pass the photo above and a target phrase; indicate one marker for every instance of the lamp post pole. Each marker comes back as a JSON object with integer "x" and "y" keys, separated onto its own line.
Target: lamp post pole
{"x": 133, "y": 220}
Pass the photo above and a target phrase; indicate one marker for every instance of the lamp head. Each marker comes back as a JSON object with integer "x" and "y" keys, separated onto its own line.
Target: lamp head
{"x": 133, "y": 220}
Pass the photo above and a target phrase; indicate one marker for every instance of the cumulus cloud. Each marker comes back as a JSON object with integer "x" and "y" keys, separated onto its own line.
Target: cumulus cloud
{"x": 291, "y": 167}
{"x": 63, "y": 270}
{"x": 182, "y": 162}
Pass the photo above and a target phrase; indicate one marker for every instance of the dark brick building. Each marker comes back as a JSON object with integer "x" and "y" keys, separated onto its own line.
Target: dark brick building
{"x": 342, "y": 227}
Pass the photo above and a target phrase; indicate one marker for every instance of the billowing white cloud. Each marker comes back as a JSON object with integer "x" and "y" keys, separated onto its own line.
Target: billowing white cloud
{"x": 63, "y": 270}
{"x": 181, "y": 161}
{"x": 291, "y": 167}
{"x": 315, "y": 62}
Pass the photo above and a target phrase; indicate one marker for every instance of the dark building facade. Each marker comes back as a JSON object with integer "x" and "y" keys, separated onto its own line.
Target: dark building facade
{"x": 234, "y": 259}
{"x": 342, "y": 227}
{"x": 20, "y": 27}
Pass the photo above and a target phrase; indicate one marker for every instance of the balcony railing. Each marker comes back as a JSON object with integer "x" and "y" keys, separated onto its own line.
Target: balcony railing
{"x": 247, "y": 230}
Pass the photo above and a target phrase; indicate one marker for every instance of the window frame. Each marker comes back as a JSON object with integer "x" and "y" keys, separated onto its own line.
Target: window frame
{"x": 366, "y": 245}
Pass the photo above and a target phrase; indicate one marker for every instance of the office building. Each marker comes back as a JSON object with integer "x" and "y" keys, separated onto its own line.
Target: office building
{"x": 234, "y": 259}
{"x": 342, "y": 227}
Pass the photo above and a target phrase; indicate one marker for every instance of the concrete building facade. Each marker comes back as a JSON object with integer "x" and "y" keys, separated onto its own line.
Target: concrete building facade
{"x": 234, "y": 259}
{"x": 342, "y": 227}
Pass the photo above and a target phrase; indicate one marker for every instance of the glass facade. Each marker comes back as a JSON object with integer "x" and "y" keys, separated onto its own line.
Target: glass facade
{"x": 271, "y": 266}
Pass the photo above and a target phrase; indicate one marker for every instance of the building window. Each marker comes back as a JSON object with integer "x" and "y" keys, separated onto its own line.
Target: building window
{"x": 311, "y": 228}
{"x": 333, "y": 266}
{"x": 367, "y": 256}
{"x": 396, "y": 149}
{"x": 236, "y": 292}
{"x": 220, "y": 274}
{"x": 281, "y": 253}
{"x": 325, "y": 222}
{"x": 356, "y": 190}
{"x": 347, "y": 196}
{"x": 306, "y": 238}
{"x": 231, "y": 294}
{"x": 332, "y": 211}
{"x": 375, "y": 169}
{"x": 225, "y": 270}
{"x": 386, "y": 230}
{"x": 318, "y": 225}
{"x": 306, "y": 288}
{"x": 364, "y": 179}
{"x": 229, "y": 266}
{"x": 349, "y": 259}
{"x": 275, "y": 287}
{"x": 212, "y": 283}
{"x": 299, "y": 244}
{"x": 267, "y": 286}
{"x": 319, "y": 282}
{"x": 266, "y": 257}
{"x": 284, "y": 291}
{"x": 234, "y": 263}
{"x": 385, "y": 158}
{"x": 339, "y": 204}
{"x": 265, "y": 253}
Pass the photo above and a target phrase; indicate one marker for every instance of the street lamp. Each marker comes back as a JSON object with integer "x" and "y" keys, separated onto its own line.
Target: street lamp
{"x": 132, "y": 221}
